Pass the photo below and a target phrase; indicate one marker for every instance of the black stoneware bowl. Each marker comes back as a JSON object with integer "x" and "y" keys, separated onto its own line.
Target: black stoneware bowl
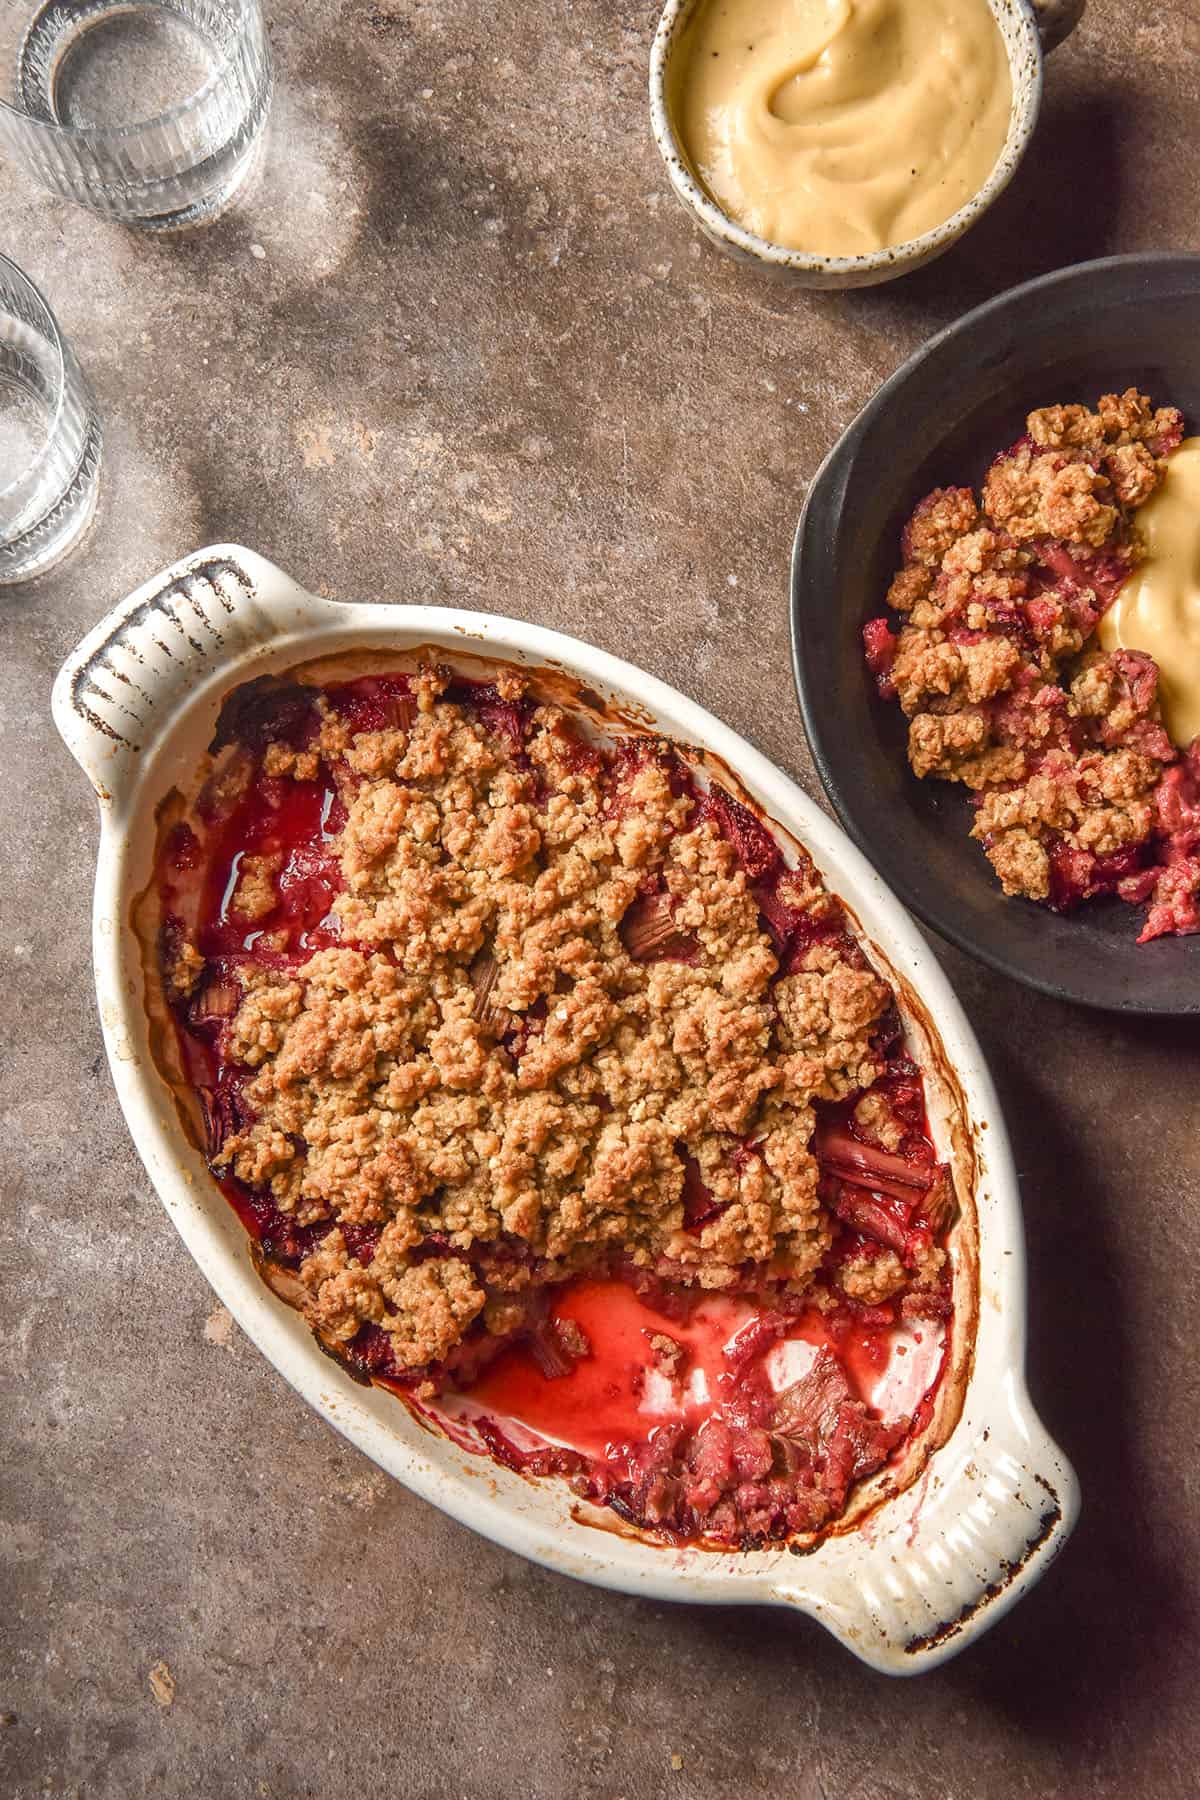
{"x": 1091, "y": 329}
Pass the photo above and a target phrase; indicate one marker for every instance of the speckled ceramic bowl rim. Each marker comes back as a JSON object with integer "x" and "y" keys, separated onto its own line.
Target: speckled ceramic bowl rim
{"x": 1027, "y": 100}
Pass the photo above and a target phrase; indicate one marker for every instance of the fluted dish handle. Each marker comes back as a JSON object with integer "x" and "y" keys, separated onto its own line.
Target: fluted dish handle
{"x": 124, "y": 683}
{"x": 1056, "y": 19}
{"x": 946, "y": 1559}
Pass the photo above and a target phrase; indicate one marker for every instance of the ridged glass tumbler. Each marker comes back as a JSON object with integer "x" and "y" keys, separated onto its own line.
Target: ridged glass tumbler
{"x": 150, "y": 112}
{"x": 49, "y": 434}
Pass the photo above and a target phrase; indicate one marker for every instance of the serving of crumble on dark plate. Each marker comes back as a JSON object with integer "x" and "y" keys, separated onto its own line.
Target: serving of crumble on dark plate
{"x": 1099, "y": 328}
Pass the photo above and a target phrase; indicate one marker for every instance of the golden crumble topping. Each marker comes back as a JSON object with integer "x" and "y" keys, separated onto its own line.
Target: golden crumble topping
{"x": 542, "y": 1013}
{"x": 549, "y": 1093}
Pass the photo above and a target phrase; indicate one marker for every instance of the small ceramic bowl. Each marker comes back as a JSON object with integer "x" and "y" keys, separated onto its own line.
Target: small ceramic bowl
{"x": 1028, "y": 27}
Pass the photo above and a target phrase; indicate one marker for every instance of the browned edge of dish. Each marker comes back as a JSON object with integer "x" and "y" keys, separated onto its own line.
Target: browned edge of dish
{"x": 577, "y": 696}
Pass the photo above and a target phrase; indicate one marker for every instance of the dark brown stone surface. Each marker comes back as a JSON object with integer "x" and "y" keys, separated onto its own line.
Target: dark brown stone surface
{"x": 479, "y": 356}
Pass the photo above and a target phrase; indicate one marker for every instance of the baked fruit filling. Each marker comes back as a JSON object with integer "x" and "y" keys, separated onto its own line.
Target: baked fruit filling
{"x": 1078, "y": 789}
{"x": 556, "y": 1100}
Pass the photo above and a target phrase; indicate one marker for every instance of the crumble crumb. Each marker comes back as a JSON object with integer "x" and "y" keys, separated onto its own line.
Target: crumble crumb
{"x": 826, "y": 1012}
{"x": 872, "y": 1279}
{"x": 182, "y": 968}
{"x": 1100, "y": 802}
{"x": 667, "y": 1354}
{"x": 937, "y": 522}
{"x": 573, "y": 1339}
{"x": 254, "y": 897}
{"x": 162, "y": 1685}
{"x": 280, "y": 759}
{"x": 880, "y": 1124}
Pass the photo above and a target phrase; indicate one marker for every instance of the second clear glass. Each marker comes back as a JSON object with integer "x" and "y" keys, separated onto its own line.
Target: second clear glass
{"x": 49, "y": 434}
{"x": 151, "y": 113}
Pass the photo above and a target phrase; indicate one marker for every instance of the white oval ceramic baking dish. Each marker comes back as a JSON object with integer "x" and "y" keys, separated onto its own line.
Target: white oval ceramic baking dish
{"x": 908, "y": 1580}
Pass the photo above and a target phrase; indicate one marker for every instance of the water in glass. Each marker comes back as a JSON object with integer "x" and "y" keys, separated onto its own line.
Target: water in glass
{"x": 150, "y": 111}
{"x": 49, "y": 434}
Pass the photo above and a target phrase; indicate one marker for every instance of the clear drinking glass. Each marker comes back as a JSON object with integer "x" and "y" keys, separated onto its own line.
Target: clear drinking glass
{"x": 150, "y": 111}
{"x": 49, "y": 434}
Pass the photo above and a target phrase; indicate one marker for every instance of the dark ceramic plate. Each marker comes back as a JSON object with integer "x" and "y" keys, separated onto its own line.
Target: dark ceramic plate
{"x": 939, "y": 420}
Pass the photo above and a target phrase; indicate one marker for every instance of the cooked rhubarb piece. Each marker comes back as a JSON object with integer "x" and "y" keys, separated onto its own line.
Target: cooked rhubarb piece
{"x": 863, "y": 1165}
{"x": 879, "y": 643}
{"x": 555, "y": 1099}
{"x": 650, "y": 934}
{"x": 755, "y": 848}
{"x": 484, "y": 973}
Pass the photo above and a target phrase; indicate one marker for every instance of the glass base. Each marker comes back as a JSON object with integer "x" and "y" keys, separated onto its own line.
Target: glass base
{"x": 209, "y": 206}
{"x": 43, "y": 545}
{"x": 150, "y": 112}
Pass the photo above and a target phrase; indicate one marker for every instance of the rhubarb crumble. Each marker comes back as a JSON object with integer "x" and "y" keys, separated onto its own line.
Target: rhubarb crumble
{"x": 1078, "y": 789}
{"x": 556, "y": 1099}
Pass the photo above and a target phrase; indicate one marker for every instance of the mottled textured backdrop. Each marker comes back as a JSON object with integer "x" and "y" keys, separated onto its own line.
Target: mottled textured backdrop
{"x": 461, "y": 345}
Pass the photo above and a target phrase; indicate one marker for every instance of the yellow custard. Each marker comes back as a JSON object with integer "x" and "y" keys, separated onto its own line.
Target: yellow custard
{"x": 842, "y": 126}
{"x": 1158, "y": 608}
